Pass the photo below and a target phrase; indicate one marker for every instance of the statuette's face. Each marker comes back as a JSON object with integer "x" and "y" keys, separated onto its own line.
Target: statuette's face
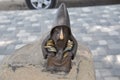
{"x": 60, "y": 36}
{"x": 60, "y": 32}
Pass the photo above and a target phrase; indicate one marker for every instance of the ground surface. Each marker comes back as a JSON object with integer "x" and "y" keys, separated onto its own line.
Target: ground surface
{"x": 96, "y": 27}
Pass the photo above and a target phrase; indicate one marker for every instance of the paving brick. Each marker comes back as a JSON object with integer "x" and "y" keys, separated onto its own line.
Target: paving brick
{"x": 19, "y": 23}
{"x": 99, "y": 58}
{"x": 114, "y": 33}
{"x": 113, "y": 51}
{"x": 111, "y": 78}
{"x": 11, "y": 29}
{"x": 99, "y": 78}
{"x": 118, "y": 59}
{"x": 109, "y": 58}
{"x": 98, "y": 65}
{"x": 106, "y": 72}
{"x": 102, "y": 42}
{"x": 99, "y": 51}
{"x": 36, "y": 24}
{"x": 23, "y": 33}
{"x": 86, "y": 10}
{"x": 116, "y": 72}
{"x": 114, "y": 46}
{"x": 108, "y": 65}
{"x": 5, "y": 21}
{"x": 87, "y": 38}
{"x": 110, "y": 42}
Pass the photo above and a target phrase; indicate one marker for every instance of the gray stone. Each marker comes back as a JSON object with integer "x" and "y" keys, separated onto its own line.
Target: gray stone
{"x": 28, "y": 61}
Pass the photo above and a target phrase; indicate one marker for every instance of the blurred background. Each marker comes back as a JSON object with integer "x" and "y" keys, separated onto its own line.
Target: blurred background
{"x": 94, "y": 23}
{"x": 44, "y": 4}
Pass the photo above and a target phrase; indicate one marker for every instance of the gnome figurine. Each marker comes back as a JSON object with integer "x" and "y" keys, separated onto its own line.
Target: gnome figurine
{"x": 59, "y": 47}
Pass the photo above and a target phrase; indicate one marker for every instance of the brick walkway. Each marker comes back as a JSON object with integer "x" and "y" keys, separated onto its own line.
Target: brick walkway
{"x": 96, "y": 27}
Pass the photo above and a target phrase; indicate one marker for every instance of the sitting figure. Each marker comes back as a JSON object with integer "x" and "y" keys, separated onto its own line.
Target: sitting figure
{"x": 60, "y": 46}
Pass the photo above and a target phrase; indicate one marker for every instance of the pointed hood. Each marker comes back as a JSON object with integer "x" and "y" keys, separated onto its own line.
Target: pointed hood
{"x": 62, "y": 17}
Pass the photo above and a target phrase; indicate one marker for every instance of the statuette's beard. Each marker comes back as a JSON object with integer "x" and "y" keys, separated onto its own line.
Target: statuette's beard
{"x": 60, "y": 44}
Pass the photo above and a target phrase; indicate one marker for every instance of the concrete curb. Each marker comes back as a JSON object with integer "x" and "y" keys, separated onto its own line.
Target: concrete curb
{"x": 13, "y": 5}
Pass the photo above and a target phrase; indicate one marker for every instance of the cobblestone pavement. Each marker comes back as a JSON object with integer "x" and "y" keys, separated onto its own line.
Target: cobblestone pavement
{"x": 96, "y": 27}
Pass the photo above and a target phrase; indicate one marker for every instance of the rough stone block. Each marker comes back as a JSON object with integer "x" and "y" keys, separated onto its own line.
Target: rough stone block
{"x": 28, "y": 61}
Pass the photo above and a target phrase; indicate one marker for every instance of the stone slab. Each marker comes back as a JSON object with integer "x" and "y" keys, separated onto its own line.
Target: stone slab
{"x": 29, "y": 61}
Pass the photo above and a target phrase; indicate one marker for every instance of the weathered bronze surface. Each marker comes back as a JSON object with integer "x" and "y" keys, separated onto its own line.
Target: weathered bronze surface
{"x": 60, "y": 46}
